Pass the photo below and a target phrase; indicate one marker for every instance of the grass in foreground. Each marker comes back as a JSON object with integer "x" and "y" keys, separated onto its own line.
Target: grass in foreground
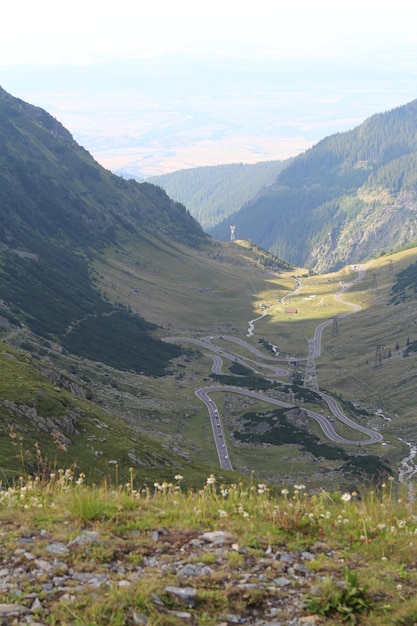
{"x": 361, "y": 567}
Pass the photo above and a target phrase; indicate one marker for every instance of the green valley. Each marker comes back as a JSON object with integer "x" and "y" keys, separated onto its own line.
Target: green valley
{"x": 116, "y": 307}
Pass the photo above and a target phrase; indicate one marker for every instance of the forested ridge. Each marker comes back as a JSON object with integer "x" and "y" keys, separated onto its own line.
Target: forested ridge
{"x": 213, "y": 193}
{"x": 349, "y": 196}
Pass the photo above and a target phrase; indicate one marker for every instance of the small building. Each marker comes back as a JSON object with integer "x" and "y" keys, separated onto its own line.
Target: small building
{"x": 291, "y": 310}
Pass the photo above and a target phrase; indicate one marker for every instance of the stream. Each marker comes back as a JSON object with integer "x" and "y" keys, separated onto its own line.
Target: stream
{"x": 408, "y": 469}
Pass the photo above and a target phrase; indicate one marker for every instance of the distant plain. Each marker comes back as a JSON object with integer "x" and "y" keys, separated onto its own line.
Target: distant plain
{"x": 155, "y": 115}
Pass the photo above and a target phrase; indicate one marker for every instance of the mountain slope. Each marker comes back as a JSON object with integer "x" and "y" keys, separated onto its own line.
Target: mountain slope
{"x": 93, "y": 271}
{"x": 51, "y": 420}
{"x": 60, "y": 210}
{"x": 52, "y": 184}
{"x": 349, "y": 196}
{"x": 213, "y": 193}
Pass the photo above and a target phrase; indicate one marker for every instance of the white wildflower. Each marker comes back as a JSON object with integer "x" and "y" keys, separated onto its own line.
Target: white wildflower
{"x": 80, "y": 479}
{"x": 211, "y": 480}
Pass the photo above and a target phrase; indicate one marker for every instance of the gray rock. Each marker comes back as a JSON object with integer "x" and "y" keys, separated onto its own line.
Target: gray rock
{"x": 185, "y": 595}
{"x": 282, "y": 581}
{"x": 36, "y": 605}
{"x": 56, "y": 548}
{"x": 235, "y": 619}
{"x": 300, "y": 568}
{"x": 12, "y": 610}
{"x": 95, "y": 580}
{"x": 26, "y": 540}
{"x": 68, "y": 597}
{"x": 182, "y": 615}
{"x": 159, "y": 533}
{"x": 187, "y": 571}
{"x": 44, "y": 565}
{"x": 216, "y": 536}
{"x": 286, "y": 557}
{"x": 88, "y": 536}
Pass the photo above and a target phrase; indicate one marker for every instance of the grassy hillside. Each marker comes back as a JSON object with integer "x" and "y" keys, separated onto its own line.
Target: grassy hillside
{"x": 216, "y": 287}
{"x": 51, "y": 418}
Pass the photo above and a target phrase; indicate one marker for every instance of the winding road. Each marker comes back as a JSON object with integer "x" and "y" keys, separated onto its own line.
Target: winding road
{"x": 217, "y": 354}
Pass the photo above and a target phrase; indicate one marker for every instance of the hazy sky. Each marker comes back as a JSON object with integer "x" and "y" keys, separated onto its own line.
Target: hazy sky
{"x": 157, "y": 86}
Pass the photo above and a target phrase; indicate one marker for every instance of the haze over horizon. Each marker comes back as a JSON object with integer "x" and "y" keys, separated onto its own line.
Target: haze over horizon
{"x": 153, "y": 89}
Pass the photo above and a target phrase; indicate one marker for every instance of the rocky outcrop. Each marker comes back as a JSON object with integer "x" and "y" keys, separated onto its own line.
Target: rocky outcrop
{"x": 63, "y": 382}
{"x": 64, "y": 426}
